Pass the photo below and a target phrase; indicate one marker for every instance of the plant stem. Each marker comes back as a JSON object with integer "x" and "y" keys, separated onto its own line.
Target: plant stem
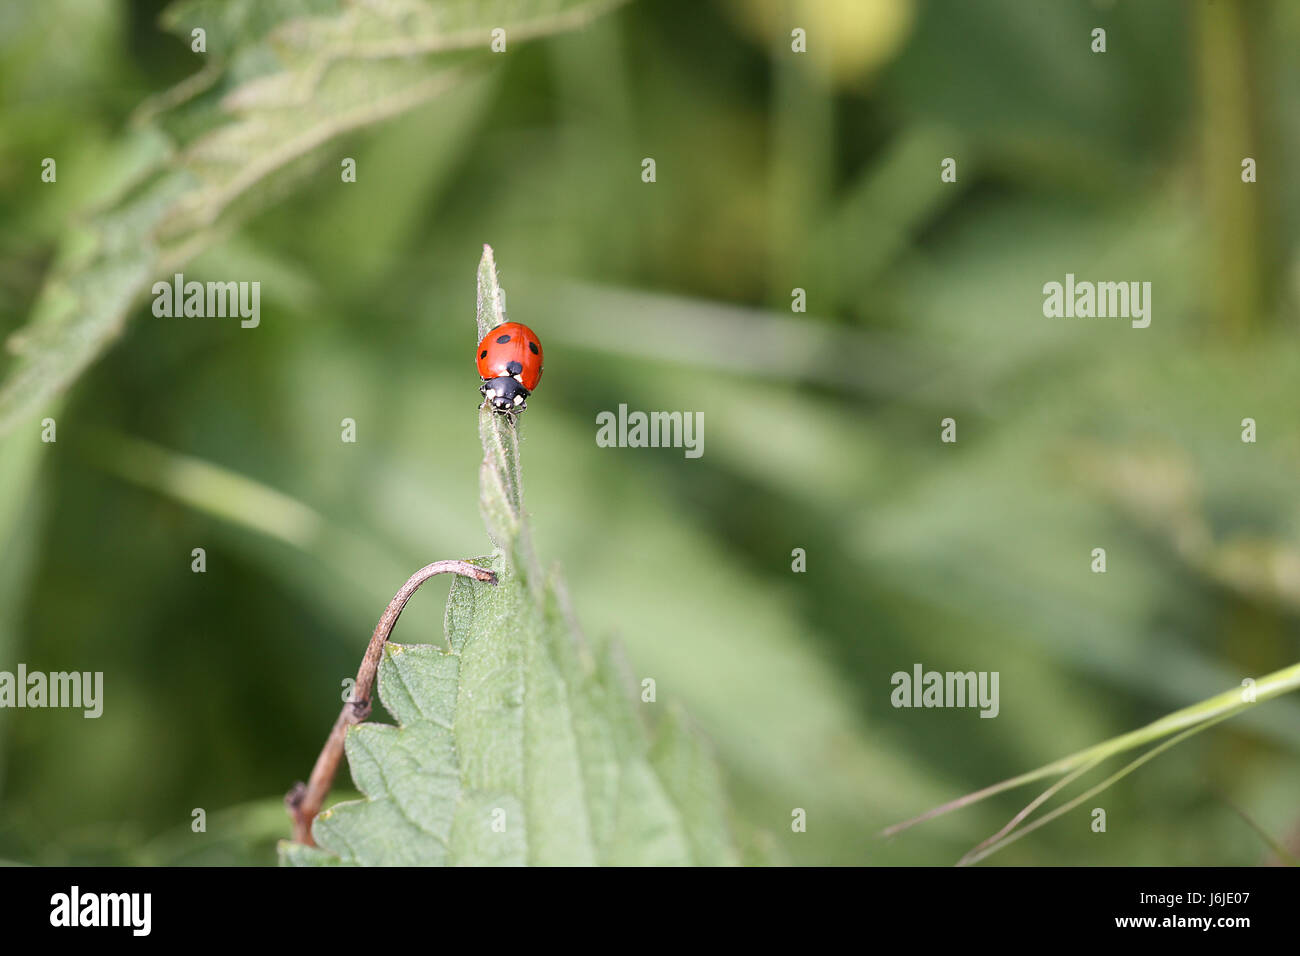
{"x": 305, "y": 800}
{"x": 1199, "y": 715}
{"x": 1228, "y": 52}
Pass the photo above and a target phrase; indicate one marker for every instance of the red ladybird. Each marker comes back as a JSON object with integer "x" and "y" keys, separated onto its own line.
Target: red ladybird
{"x": 510, "y": 364}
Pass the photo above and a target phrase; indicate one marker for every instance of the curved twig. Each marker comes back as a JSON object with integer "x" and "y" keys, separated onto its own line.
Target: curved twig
{"x": 304, "y": 800}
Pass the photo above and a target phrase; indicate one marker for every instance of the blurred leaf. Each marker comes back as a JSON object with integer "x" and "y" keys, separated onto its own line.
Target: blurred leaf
{"x": 242, "y": 835}
{"x": 20, "y": 459}
{"x": 236, "y": 137}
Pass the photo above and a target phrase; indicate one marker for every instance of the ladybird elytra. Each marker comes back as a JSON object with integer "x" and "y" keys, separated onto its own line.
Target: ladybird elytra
{"x": 509, "y": 360}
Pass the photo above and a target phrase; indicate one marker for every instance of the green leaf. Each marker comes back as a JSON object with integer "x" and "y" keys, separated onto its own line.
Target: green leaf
{"x": 516, "y": 741}
{"x": 281, "y": 82}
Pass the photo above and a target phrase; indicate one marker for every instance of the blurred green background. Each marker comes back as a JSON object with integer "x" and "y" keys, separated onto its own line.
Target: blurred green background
{"x": 774, "y": 171}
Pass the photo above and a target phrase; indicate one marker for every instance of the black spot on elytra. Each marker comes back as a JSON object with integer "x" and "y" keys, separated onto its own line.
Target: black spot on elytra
{"x": 532, "y": 347}
{"x": 514, "y": 368}
{"x": 483, "y": 354}
{"x": 502, "y": 339}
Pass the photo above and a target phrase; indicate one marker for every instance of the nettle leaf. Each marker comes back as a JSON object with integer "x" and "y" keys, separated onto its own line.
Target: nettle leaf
{"x": 281, "y": 81}
{"x": 517, "y": 742}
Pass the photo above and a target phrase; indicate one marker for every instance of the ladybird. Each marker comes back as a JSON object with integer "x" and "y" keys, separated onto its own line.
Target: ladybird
{"x": 510, "y": 364}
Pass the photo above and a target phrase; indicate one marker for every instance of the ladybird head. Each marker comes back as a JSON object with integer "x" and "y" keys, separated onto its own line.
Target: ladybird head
{"x": 506, "y": 394}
